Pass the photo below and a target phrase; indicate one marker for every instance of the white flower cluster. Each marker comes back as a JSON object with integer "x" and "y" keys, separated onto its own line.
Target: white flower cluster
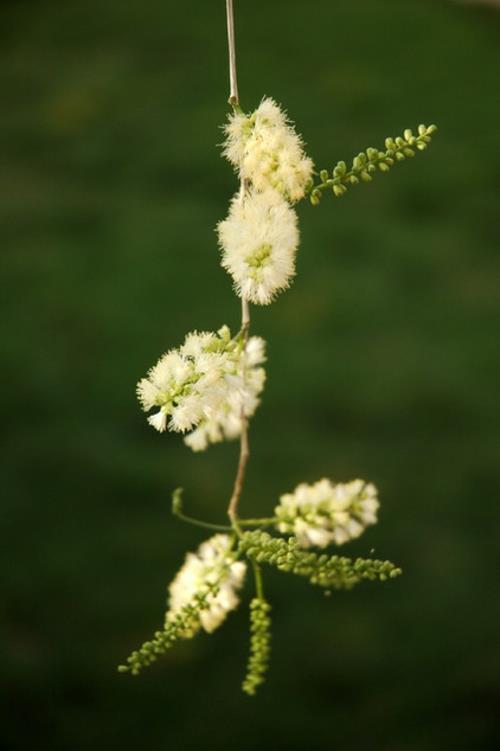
{"x": 266, "y": 151}
{"x": 204, "y": 385}
{"x": 326, "y": 512}
{"x": 259, "y": 238}
{"x": 212, "y": 565}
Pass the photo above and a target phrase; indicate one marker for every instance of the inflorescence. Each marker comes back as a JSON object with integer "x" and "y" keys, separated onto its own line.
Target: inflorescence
{"x": 204, "y": 385}
{"x": 260, "y": 645}
{"x": 332, "y": 572}
{"x": 326, "y": 513}
{"x": 366, "y": 164}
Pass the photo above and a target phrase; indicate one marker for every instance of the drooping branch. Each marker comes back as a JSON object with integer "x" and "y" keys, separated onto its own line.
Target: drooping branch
{"x": 232, "y": 510}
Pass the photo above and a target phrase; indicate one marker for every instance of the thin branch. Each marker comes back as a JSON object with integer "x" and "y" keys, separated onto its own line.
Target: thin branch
{"x": 234, "y": 99}
{"x": 205, "y": 525}
{"x": 177, "y": 511}
{"x": 245, "y": 318}
{"x": 264, "y": 522}
{"x": 232, "y": 510}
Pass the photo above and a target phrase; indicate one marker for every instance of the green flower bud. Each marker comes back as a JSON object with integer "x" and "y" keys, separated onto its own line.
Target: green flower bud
{"x": 315, "y": 197}
{"x": 340, "y": 169}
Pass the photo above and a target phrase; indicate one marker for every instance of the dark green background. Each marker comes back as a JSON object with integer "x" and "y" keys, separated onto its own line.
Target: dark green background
{"x": 383, "y": 363}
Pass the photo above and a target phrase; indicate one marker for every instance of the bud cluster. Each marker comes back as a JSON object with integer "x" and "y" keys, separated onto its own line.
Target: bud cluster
{"x": 367, "y": 163}
{"x": 331, "y": 572}
{"x": 260, "y": 645}
{"x": 184, "y": 625}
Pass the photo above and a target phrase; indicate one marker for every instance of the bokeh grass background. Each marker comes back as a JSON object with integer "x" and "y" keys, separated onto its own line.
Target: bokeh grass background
{"x": 383, "y": 363}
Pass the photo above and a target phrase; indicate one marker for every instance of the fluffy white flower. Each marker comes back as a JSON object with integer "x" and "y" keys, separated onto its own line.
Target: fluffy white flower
{"x": 267, "y": 152}
{"x": 255, "y": 351}
{"x": 242, "y": 389}
{"x": 158, "y": 421}
{"x": 259, "y": 241}
{"x": 204, "y": 386}
{"x": 212, "y": 565}
{"x": 326, "y": 512}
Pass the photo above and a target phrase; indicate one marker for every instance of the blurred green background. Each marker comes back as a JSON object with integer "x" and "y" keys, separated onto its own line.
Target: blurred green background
{"x": 383, "y": 363}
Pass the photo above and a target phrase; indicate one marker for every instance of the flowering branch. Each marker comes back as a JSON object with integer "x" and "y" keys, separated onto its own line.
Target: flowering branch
{"x": 210, "y": 386}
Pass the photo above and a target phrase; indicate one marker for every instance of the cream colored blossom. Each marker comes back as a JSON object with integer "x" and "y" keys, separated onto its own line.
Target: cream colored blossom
{"x": 325, "y": 512}
{"x": 204, "y": 385}
{"x": 267, "y": 152}
{"x": 213, "y": 565}
{"x": 244, "y": 387}
{"x": 259, "y": 242}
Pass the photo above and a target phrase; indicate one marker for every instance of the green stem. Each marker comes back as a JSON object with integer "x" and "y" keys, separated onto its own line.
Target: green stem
{"x": 259, "y": 588}
{"x": 177, "y": 511}
{"x": 266, "y": 522}
{"x": 200, "y": 523}
{"x": 235, "y": 527}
